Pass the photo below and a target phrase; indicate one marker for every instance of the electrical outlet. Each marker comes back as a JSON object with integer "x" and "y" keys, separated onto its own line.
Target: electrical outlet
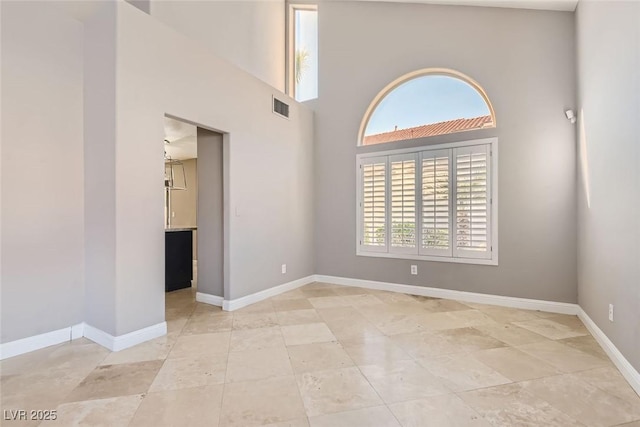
{"x": 173, "y": 214}
{"x": 611, "y": 312}
{"x": 284, "y": 268}
{"x": 414, "y": 269}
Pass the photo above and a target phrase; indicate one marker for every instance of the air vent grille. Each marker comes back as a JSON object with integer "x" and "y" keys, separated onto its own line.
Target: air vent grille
{"x": 280, "y": 108}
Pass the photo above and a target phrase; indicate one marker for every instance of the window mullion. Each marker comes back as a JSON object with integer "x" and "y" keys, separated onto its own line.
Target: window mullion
{"x": 453, "y": 202}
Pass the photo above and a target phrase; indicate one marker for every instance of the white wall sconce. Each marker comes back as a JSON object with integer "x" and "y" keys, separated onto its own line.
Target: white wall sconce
{"x": 571, "y": 116}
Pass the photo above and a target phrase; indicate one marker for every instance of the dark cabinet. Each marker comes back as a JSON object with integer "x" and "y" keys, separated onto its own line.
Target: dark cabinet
{"x": 178, "y": 259}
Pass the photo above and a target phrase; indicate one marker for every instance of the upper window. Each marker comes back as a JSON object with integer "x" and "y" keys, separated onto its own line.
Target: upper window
{"x": 426, "y": 103}
{"x": 302, "y": 54}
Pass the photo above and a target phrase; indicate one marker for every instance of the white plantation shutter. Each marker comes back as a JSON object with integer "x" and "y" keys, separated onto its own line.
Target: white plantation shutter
{"x": 435, "y": 230}
{"x": 403, "y": 203}
{"x": 472, "y": 204}
{"x": 374, "y": 204}
{"x": 433, "y": 204}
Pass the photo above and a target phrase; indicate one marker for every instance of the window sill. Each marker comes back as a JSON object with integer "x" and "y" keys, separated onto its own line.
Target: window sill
{"x": 476, "y": 261}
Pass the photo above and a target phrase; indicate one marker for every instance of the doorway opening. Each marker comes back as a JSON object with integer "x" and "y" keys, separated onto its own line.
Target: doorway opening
{"x": 194, "y": 216}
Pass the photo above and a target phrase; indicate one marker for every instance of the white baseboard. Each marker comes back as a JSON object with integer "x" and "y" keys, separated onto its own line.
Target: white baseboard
{"x": 36, "y": 342}
{"x": 523, "y": 303}
{"x": 235, "y": 304}
{"x": 623, "y": 365}
{"x": 209, "y": 299}
{"x": 120, "y": 342}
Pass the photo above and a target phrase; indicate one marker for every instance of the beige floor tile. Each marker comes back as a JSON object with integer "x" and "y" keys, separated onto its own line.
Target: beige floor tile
{"x": 425, "y": 344}
{"x": 258, "y": 364}
{"x": 194, "y": 345}
{"x": 552, "y": 329}
{"x": 469, "y": 339}
{"x": 318, "y": 293}
{"x": 256, "y": 339}
{"x": 515, "y": 364}
{"x": 254, "y": 403}
{"x": 375, "y": 351}
{"x": 116, "y": 380}
{"x": 362, "y": 300}
{"x": 508, "y": 314}
{"x": 461, "y": 372}
{"x": 340, "y": 314}
{"x": 292, "y": 304}
{"x": 298, "y": 422}
{"x": 308, "y": 333}
{"x": 582, "y": 401}
{"x": 446, "y": 410}
{"x": 509, "y": 405}
{"x": 297, "y": 317}
{"x": 403, "y": 380}
{"x": 349, "y": 290}
{"x": 187, "y": 372}
{"x": 115, "y": 411}
{"x": 354, "y": 329}
{"x": 563, "y": 357}
{"x": 156, "y": 349}
{"x": 329, "y": 301}
{"x": 265, "y": 306}
{"x": 442, "y": 305}
{"x": 254, "y": 320}
{"x": 378, "y": 416}
{"x": 318, "y": 357}
{"x": 587, "y": 344}
{"x": 393, "y": 297}
{"x": 207, "y": 323}
{"x": 452, "y": 320}
{"x": 192, "y": 407}
{"x": 510, "y": 333}
{"x": 610, "y": 380}
{"x": 326, "y": 392}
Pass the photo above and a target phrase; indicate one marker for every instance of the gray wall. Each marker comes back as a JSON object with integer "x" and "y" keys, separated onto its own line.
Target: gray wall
{"x": 249, "y": 33}
{"x": 211, "y": 213}
{"x": 270, "y": 165}
{"x": 525, "y": 61}
{"x": 608, "y": 38}
{"x": 42, "y": 173}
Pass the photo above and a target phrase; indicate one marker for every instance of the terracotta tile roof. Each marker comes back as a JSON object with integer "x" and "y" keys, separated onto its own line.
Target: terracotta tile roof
{"x": 441, "y": 128}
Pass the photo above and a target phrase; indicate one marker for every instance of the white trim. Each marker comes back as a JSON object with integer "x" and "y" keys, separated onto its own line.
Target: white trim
{"x": 35, "y": 342}
{"x": 121, "y": 342}
{"x": 235, "y": 304}
{"x": 504, "y": 301}
{"x": 209, "y": 299}
{"x": 445, "y": 258}
{"x": 626, "y": 369}
{"x": 77, "y": 331}
{"x": 482, "y": 141}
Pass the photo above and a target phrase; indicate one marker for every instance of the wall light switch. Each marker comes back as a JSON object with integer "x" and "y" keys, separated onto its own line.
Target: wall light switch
{"x": 173, "y": 214}
{"x": 414, "y": 270}
{"x": 611, "y": 312}
{"x": 284, "y": 268}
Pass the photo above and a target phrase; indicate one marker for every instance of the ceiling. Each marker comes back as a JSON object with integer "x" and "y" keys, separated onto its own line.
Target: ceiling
{"x": 182, "y": 139}
{"x": 561, "y": 5}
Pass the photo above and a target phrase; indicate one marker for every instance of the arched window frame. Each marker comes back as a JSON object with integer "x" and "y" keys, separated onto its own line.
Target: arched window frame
{"x": 447, "y": 72}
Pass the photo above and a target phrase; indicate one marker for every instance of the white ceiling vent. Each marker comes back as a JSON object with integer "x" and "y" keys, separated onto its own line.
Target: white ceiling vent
{"x": 280, "y": 108}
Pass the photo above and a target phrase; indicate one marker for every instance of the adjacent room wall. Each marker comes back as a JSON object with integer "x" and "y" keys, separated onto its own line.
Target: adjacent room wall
{"x": 270, "y": 165}
{"x": 42, "y": 170}
{"x": 608, "y": 39}
{"x": 211, "y": 212}
{"x": 184, "y": 203}
{"x": 524, "y": 60}
{"x": 249, "y": 34}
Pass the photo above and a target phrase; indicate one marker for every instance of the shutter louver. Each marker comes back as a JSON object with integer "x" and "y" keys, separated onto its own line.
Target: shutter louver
{"x": 374, "y": 206}
{"x": 403, "y": 203}
{"x": 436, "y": 236}
{"x": 472, "y": 202}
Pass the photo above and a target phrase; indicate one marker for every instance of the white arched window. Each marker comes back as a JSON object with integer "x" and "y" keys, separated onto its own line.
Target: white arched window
{"x": 435, "y": 202}
{"x": 426, "y": 103}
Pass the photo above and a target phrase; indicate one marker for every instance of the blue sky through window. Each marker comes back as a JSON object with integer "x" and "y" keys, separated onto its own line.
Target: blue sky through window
{"x": 425, "y": 100}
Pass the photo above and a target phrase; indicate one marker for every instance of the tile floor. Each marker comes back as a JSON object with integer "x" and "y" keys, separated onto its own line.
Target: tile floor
{"x": 325, "y": 355}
